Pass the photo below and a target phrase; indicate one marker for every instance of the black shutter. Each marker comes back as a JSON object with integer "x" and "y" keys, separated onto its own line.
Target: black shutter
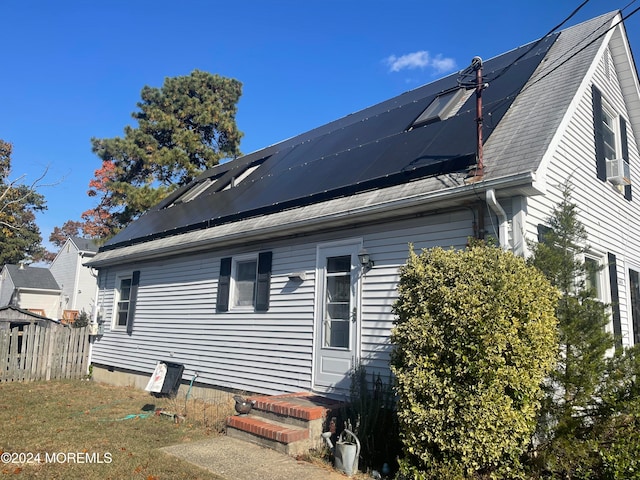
{"x": 625, "y": 153}
{"x": 133, "y": 298}
{"x": 264, "y": 281}
{"x": 615, "y": 299}
{"x": 601, "y": 164}
{"x": 224, "y": 281}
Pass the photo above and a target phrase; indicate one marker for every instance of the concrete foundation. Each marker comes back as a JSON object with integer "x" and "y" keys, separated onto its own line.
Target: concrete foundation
{"x": 129, "y": 378}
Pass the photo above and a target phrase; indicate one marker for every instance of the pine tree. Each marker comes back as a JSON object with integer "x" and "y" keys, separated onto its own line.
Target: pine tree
{"x": 590, "y": 387}
{"x": 186, "y": 126}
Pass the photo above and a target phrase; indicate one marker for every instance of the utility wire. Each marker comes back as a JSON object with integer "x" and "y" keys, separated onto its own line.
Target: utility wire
{"x": 582, "y": 48}
{"x": 567, "y": 59}
{"x": 525, "y": 53}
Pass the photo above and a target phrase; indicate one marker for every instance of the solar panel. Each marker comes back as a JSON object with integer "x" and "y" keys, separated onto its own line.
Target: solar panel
{"x": 374, "y": 148}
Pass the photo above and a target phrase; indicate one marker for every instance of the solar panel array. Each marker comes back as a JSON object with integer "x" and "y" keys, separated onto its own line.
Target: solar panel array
{"x": 371, "y": 149}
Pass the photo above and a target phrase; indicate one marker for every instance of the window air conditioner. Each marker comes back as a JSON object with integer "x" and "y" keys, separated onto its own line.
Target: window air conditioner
{"x": 618, "y": 171}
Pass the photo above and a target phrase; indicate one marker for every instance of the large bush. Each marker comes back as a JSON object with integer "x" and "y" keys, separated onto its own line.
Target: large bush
{"x": 475, "y": 337}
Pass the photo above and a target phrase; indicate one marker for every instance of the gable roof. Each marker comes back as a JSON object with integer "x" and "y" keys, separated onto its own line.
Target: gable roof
{"x": 376, "y": 156}
{"x": 85, "y": 245}
{"x": 38, "y": 278}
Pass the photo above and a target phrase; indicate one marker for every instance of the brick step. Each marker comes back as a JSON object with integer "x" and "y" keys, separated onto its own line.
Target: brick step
{"x": 295, "y": 409}
{"x": 289, "y": 423}
{"x": 271, "y": 430}
{"x": 289, "y": 439}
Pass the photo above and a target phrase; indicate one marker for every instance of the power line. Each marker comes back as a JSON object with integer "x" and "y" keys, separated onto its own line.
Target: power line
{"x": 582, "y": 48}
{"x": 525, "y": 53}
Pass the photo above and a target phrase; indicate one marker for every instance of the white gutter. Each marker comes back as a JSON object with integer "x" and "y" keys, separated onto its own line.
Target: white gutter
{"x": 502, "y": 218}
{"x": 367, "y": 205}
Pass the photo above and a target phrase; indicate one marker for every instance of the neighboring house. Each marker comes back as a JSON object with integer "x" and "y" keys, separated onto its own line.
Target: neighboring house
{"x": 77, "y": 282}
{"x": 30, "y": 288}
{"x": 251, "y": 275}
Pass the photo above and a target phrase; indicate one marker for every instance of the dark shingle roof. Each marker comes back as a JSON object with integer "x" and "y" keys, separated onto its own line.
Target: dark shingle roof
{"x": 32, "y": 277}
{"x": 85, "y": 244}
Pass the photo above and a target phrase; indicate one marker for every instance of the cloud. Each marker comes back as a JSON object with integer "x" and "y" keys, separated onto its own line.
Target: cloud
{"x": 422, "y": 60}
{"x": 441, "y": 65}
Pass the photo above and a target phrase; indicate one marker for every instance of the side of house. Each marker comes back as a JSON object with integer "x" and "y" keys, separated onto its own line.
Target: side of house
{"x": 596, "y": 132}
{"x": 260, "y": 284}
{"x": 7, "y": 286}
{"x": 30, "y": 288}
{"x": 77, "y": 282}
{"x": 323, "y": 309}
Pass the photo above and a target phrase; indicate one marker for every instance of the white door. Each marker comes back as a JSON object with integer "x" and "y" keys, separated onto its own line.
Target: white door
{"x": 337, "y": 316}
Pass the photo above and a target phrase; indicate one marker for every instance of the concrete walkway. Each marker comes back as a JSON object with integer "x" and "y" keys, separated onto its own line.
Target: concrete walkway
{"x": 233, "y": 459}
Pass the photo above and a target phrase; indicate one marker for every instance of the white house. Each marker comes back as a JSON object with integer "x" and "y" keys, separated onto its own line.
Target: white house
{"x": 29, "y": 288}
{"x": 78, "y": 283}
{"x": 251, "y": 275}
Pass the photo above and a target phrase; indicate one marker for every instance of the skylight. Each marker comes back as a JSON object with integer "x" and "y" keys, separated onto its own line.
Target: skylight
{"x": 235, "y": 181}
{"x": 444, "y": 106}
{"x": 194, "y": 191}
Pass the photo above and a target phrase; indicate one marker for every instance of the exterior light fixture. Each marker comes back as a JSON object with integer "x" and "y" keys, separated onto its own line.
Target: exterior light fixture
{"x": 365, "y": 259}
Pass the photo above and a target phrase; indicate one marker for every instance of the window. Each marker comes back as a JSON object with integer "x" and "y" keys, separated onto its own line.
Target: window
{"x": 609, "y": 134}
{"x": 244, "y": 283}
{"x": 337, "y": 315}
{"x": 594, "y": 278}
{"x": 124, "y": 301}
{"x": 244, "y": 280}
{"x": 126, "y": 297}
{"x": 443, "y": 106}
{"x": 612, "y": 149}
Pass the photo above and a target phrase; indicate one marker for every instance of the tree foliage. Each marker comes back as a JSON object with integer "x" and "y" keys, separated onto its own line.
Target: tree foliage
{"x": 20, "y": 239}
{"x": 186, "y": 126}
{"x": 590, "y": 394}
{"x": 70, "y": 228}
{"x": 474, "y": 337}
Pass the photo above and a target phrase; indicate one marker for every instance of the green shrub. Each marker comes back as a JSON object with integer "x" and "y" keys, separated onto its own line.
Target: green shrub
{"x": 474, "y": 338}
{"x": 82, "y": 320}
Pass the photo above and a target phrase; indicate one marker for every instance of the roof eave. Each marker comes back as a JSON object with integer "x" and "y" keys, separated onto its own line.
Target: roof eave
{"x": 524, "y": 183}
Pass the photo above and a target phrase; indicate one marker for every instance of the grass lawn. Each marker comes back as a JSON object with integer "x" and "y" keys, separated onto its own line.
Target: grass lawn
{"x": 86, "y": 430}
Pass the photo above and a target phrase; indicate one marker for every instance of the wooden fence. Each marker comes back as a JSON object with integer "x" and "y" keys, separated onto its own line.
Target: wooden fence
{"x": 33, "y": 353}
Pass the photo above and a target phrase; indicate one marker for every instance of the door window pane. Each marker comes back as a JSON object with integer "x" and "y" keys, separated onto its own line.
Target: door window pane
{"x": 339, "y": 264}
{"x": 337, "y": 311}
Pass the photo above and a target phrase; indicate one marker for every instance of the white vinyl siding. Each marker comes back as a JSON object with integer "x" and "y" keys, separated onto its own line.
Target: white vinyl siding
{"x": 612, "y": 222}
{"x": 265, "y": 352}
{"x": 77, "y": 283}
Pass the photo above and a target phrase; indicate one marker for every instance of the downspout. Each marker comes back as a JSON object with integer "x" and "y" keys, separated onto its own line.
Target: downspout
{"x": 502, "y": 218}
{"x": 94, "y": 320}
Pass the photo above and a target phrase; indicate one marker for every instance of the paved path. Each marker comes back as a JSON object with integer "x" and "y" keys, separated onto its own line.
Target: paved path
{"x": 233, "y": 459}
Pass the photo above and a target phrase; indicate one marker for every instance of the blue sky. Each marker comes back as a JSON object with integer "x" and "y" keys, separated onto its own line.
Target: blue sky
{"x": 73, "y": 70}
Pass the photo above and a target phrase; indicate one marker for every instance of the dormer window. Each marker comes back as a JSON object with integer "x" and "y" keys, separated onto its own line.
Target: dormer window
{"x": 444, "y": 106}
